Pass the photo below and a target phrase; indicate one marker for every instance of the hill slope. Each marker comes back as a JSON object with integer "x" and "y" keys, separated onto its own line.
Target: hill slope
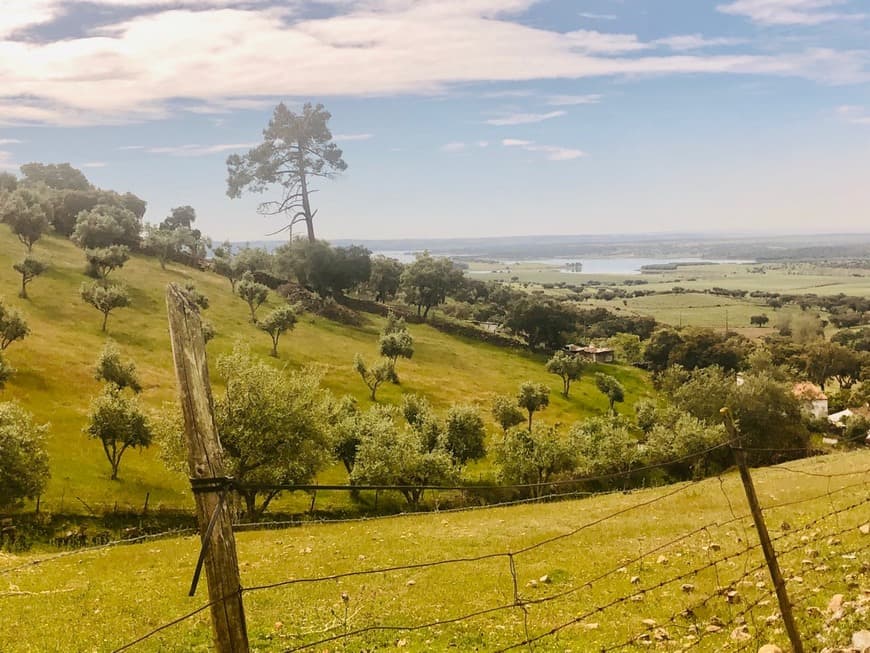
{"x": 55, "y": 367}
{"x": 671, "y": 568}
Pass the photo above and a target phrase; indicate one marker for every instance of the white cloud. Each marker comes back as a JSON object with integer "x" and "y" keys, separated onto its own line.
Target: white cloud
{"x": 523, "y": 92}
{"x": 197, "y": 150}
{"x": 220, "y": 59}
{"x": 6, "y": 162}
{"x": 572, "y": 100}
{"x": 789, "y": 12}
{"x": 695, "y": 42}
{"x": 552, "y": 152}
{"x": 132, "y": 147}
{"x": 604, "y": 43}
{"x": 26, "y": 14}
{"x": 9, "y": 141}
{"x": 591, "y": 16}
{"x": 854, "y": 114}
{"x": 524, "y": 118}
{"x": 352, "y": 137}
{"x": 455, "y": 146}
{"x": 93, "y": 164}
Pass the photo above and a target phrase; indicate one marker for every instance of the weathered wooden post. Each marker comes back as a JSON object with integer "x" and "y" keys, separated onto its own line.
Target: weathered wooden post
{"x": 204, "y": 459}
{"x": 763, "y": 535}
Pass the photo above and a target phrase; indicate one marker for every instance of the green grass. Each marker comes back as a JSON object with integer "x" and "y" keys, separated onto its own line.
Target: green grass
{"x": 55, "y": 369}
{"x": 96, "y": 601}
{"x": 694, "y": 308}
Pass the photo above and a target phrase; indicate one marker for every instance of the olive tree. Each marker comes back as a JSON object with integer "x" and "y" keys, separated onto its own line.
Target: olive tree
{"x": 106, "y": 225}
{"x": 604, "y": 446}
{"x": 6, "y": 371}
{"x": 395, "y": 344}
{"x": 29, "y": 269}
{"x": 23, "y": 459}
{"x": 388, "y": 455}
{"x": 118, "y": 422}
{"x": 27, "y": 213}
{"x": 104, "y": 298}
{"x": 610, "y": 388}
{"x": 253, "y": 293}
{"x": 351, "y": 425}
{"x": 273, "y": 425}
{"x": 506, "y": 413}
{"x": 279, "y": 321}
{"x": 102, "y": 261}
{"x": 226, "y": 264}
{"x": 111, "y": 369}
{"x": 12, "y": 326}
{"x": 533, "y": 397}
{"x": 465, "y": 434}
{"x": 376, "y": 375}
{"x": 566, "y": 367}
{"x": 532, "y": 457}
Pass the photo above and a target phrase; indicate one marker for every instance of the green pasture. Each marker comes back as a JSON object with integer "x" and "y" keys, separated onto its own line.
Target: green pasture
{"x": 55, "y": 369}
{"x": 614, "y": 568}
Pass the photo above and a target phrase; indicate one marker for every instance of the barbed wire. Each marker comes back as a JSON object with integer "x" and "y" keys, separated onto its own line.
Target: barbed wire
{"x": 521, "y": 604}
{"x": 176, "y": 532}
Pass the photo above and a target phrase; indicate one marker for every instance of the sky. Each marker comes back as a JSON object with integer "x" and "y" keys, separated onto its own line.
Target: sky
{"x": 460, "y": 118}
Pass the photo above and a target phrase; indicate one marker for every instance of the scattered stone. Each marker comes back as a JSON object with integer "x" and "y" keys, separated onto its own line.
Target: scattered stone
{"x": 662, "y": 560}
{"x": 688, "y": 588}
{"x": 649, "y": 622}
{"x": 591, "y": 626}
{"x": 861, "y": 640}
{"x": 661, "y": 635}
{"x": 865, "y": 529}
{"x": 532, "y": 583}
{"x": 713, "y": 628}
{"x": 836, "y": 603}
{"x": 741, "y": 634}
{"x": 411, "y": 583}
{"x": 770, "y": 648}
{"x": 715, "y": 547}
{"x": 634, "y": 580}
{"x": 796, "y": 579}
{"x": 732, "y": 596}
{"x": 834, "y": 541}
{"x": 279, "y": 625}
{"x": 637, "y": 598}
{"x": 544, "y": 579}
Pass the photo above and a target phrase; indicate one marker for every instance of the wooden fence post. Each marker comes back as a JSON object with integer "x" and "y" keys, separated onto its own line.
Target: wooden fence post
{"x": 763, "y": 536}
{"x": 204, "y": 458}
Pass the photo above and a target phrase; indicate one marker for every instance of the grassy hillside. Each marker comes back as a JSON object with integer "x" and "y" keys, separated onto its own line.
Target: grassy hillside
{"x": 55, "y": 367}
{"x": 612, "y": 562}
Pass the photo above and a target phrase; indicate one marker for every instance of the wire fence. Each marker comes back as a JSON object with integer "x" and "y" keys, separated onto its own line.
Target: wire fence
{"x": 703, "y": 587}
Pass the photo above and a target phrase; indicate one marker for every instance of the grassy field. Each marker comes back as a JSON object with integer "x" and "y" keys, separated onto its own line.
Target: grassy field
{"x": 694, "y": 308}
{"x": 617, "y": 567}
{"x": 55, "y": 368}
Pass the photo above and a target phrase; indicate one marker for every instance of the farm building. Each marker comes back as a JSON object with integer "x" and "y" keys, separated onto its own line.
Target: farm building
{"x": 591, "y": 352}
{"x": 812, "y": 399}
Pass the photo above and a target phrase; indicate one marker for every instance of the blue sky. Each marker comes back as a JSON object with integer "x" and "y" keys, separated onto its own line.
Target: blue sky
{"x": 461, "y": 117}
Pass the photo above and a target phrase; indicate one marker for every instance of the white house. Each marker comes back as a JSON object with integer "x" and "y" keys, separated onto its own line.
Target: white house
{"x": 812, "y": 399}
